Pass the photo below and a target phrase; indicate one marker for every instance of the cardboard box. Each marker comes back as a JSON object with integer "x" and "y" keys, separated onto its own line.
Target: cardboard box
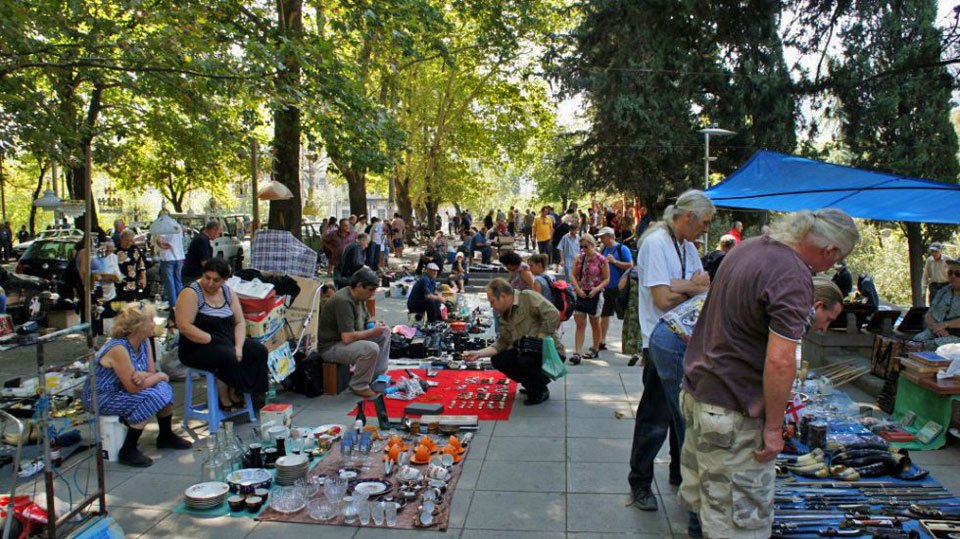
{"x": 62, "y": 319}
{"x": 265, "y": 323}
{"x": 278, "y": 412}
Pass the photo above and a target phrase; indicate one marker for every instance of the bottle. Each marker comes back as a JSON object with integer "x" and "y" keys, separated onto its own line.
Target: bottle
{"x": 207, "y": 470}
{"x": 361, "y": 415}
{"x": 271, "y": 393}
{"x": 233, "y": 451}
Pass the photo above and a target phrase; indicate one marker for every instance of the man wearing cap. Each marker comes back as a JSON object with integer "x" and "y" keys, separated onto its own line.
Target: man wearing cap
{"x": 423, "y": 296}
{"x": 935, "y": 271}
{"x": 343, "y": 337}
{"x": 620, "y": 260}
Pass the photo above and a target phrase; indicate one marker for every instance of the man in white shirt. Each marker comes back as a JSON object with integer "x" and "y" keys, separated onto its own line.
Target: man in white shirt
{"x": 670, "y": 273}
{"x": 170, "y": 247}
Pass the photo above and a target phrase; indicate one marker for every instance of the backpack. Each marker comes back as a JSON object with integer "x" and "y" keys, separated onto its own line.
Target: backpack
{"x": 562, "y": 297}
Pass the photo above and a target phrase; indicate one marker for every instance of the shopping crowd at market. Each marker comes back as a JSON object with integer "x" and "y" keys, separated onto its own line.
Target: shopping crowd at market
{"x": 716, "y": 335}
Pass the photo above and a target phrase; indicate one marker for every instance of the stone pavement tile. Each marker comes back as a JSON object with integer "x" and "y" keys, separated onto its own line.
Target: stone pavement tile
{"x": 113, "y": 476}
{"x": 294, "y": 530}
{"x": 597, "y": 535}
{"x": 948, "y": 476}
{"x": 581, "y": 408}
{"x": 136, "y": 521}
{"x": 500, "y": 534}
{"x": 578, "y": 427}
{"x": 522, "y": 448}
{"x": 598, "y": 449}
{"x": 523, "y": 476}
{"x": 390, "y": 533}
{"x": 598, "y": 477}
{"x": 558, "y": 392}
{"x": 180, "y": 525}
{"x": 608, "y": 513}
{"x": 597, "y": 393}
{"x": 517, "y": 511}
{"x": 677, "y": 515}
{"x": 169, "y": 462}
{"x": 948, "y": 456}
{"x": 592, "y": 378}
{"x": 537, "y": 427}
{"x": 479, "y": 444}
{"x": 470, "y": 474}
{"x": 150, "y": 491}
{"x": 459, "y": 507}
{"x": 552, "y": 408}
{"x": 311, "y": 417}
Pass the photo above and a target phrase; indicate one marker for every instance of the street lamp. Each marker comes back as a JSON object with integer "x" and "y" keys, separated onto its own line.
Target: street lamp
{"x": 715, "y": 131}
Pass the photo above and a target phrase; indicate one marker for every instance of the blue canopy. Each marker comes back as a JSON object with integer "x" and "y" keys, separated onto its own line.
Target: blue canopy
{"x": 779, "y": 182}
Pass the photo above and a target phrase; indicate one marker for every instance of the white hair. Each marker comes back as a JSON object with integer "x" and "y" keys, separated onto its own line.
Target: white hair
{"x": 828, "y": 227}
{"x": 693, "y": 201}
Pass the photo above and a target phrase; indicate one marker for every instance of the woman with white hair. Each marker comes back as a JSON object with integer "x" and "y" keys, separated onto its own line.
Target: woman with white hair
{"x": 129, "y": 385}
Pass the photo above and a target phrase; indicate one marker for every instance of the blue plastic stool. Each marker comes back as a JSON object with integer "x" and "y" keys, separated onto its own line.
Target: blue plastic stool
{"x": 210, "y": 411}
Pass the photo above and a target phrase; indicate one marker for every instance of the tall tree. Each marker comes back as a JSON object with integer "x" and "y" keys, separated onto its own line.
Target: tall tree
{"x": 897, "y": 124}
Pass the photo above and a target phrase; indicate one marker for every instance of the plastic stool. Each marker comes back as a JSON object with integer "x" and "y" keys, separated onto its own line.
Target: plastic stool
{"x": 210, "y": 411}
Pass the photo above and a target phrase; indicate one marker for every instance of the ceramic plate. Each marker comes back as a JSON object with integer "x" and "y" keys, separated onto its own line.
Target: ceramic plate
{"x": 331, "y": 429}
{"x": 372, "y": 487}
{"x": 249, "y": 476}
{"x": 292, "y": 461}
{"x": 211, "y": 490}
{"x": 349, "y": 473}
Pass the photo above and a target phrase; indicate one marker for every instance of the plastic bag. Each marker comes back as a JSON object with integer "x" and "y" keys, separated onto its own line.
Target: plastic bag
{"x": 553, "y": 368}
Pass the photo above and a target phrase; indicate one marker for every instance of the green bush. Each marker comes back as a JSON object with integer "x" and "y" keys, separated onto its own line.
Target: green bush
{"x": 883, "y": 253}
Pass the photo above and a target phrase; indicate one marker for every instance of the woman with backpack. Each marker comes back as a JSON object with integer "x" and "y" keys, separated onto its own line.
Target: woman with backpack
{"x": 590, "y": 275}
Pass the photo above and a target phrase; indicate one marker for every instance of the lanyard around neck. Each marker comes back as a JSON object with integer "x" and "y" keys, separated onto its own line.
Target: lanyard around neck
{"x": 682, "y": 257}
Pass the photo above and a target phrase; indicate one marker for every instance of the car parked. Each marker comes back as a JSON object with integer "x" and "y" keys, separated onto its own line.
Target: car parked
{"x": 72, "y": 233}
{"x": 48, "y": 259}
{"x": 233, "y": 241}
{"x": 28, "y": 298}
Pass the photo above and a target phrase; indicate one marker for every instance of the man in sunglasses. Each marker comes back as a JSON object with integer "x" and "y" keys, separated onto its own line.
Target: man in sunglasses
{"x": 343, "y": 335}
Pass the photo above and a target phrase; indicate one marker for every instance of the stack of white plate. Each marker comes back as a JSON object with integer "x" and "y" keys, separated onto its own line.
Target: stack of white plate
{"x": 290, "y": 468}
{"x": 206, "y": 495}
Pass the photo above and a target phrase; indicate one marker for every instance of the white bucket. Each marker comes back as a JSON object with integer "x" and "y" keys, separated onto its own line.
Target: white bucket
{"x": 112, "y": 434}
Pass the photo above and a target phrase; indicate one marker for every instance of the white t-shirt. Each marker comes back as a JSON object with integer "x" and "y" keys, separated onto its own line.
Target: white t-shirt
{"x": 110, "y": 265}
{"x": 175, "y": 252}
{"x": 659, "y": 263}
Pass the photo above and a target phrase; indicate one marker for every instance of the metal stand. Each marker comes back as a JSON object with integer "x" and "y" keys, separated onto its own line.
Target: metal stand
{"x": 55, "y": 524}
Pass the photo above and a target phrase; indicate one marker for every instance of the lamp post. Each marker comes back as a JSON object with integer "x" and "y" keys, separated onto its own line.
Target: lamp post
{"x": 715, "y": 131}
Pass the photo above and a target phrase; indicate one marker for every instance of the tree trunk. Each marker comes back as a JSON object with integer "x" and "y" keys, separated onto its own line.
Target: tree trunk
{"x": 357, "y": 191}
{"x": 564, "y": 198}
{"x": 404, "y": 203}
{"x": 915, "y": 248}
{"x": 76, "y": 171}
{"x": 43, "y": 163}
{"x": 287, "y": 214}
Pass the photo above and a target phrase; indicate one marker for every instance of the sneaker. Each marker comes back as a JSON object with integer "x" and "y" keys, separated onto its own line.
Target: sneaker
{"x": 537, "y": 399}
{"x": 134, "y": 458}
{"x": 173, "y": 442}
{"x": 644, "y": 500}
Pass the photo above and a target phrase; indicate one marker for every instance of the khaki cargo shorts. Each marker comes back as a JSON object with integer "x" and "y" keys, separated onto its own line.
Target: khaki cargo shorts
{"x": 722, "y": 482}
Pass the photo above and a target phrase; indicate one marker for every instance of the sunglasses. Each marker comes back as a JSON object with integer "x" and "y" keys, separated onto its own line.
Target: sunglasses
{"x": 953, "y": 273}
{"x": 585, "y": 245}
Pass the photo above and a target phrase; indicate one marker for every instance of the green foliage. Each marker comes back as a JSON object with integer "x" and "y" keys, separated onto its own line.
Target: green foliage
{"x": 882, "y": 252}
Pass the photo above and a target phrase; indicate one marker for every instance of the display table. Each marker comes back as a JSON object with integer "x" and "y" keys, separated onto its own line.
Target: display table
{"x": 930, "y": 400}
{"x": 817, "y": 348}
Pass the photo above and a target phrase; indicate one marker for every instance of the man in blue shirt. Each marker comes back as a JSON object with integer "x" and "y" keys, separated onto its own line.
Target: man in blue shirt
{"x": 424, "y": 297}
{"x": 481, "y": 244}
{"x": 621, "y": 260}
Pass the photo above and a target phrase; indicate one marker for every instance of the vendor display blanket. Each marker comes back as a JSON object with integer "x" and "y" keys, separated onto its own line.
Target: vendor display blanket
{"x": 331, "y": 466}
{"x": 460, "y": 393}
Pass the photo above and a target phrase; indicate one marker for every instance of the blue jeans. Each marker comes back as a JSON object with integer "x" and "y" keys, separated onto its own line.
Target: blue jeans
{"x": 172, "y": 284}
{"x": 659, "y": 407}
{"x": 3, "y": 304}
{"x": 373, "y": 256}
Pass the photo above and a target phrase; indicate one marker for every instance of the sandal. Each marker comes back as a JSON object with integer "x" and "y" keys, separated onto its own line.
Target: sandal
{"x": 633, "y": 360}
{"x": 591, "y": 354}
{"x": 575, "y": 359}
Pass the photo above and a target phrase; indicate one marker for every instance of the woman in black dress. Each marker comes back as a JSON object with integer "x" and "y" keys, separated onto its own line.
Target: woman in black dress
{"x": 213, "y": 336}
{"x": 133, "y": 269}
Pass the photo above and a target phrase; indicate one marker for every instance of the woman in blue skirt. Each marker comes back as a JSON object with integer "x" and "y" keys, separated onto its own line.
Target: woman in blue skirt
{"x": 129, "y": 386}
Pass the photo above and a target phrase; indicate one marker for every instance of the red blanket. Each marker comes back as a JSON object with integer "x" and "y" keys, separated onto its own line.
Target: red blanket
{"x": 452, "y": 385}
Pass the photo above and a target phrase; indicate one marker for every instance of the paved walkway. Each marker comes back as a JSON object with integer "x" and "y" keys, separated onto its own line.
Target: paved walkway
{"x": 557, "y": 470}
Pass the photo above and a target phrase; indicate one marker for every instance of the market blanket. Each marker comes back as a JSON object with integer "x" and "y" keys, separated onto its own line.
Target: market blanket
{"x": 331, "y": 466}
{"x": 454, "y": 391}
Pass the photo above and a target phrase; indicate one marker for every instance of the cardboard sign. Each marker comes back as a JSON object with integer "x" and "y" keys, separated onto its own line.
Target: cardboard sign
{"x": 280, "y": 362}
{"x": 302, "y": 306}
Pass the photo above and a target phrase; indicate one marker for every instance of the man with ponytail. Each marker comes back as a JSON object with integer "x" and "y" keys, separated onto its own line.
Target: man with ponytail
{"x": 740, "y": 364}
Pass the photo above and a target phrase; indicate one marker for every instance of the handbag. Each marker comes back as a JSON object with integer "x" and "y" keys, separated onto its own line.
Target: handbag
{"x": 587, "y": 304}
{"x": 552, "y": 367}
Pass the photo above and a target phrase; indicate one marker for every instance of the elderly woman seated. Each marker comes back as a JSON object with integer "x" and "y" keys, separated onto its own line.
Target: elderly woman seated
{"x": 942, "y": 320}
{"x": 129, "y": 386}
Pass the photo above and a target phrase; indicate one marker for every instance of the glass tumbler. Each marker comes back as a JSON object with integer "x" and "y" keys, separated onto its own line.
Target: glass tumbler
{"x": 363, "y": 511}
{"x": 390, "y": 511}
{"x": 377, "y": 512}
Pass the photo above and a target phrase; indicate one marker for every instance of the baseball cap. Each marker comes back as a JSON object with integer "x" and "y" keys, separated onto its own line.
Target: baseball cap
{"x": 604, "y": 231}
{"x": 936, "y": 246}
{"x": 432, "y": 266}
